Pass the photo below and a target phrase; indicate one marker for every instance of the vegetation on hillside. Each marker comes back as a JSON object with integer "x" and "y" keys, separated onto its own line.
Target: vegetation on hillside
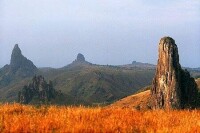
{"x": 21, "y": 118}
{"x": 81, "y": 82}
{"x": 39, "y": 91}
{"x": 100, "y": 84}
{"x": 88, "y": 85}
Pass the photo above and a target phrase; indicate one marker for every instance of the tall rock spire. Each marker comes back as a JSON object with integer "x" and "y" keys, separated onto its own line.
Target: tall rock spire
{"x": 172, "y": 87}
{"x": 20, "y": 64}
{"x": 16, "y": 57}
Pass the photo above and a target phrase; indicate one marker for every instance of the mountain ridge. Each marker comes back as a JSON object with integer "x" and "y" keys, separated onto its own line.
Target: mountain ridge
{"x": 19, "y": 68}
{"x": 85, "y": 83}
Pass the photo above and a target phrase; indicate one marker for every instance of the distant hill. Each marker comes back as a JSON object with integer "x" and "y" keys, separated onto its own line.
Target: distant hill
{"x": 194, "y": 69}
{"x": 195, "y": 72}
{"x": 93, "y": 84}
{"x": 19, "y": 68}
{"x": 140, "y": 65}
{"x": 81, "y": 82}
{"x": 97, "y": 84}
{"x": 79, "y": 61}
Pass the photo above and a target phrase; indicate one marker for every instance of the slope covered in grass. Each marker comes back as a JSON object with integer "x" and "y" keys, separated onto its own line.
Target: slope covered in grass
{"x": 87, "y": 84}
{"x": 140, "y": 100}
{"x": 92, "y": 84}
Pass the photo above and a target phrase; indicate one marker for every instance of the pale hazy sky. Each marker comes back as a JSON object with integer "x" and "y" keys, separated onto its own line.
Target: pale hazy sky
{"x": 52, "y": 32}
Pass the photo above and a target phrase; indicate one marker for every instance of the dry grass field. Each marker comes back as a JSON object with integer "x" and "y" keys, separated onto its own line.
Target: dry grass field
{"x": 21, "y": 118}
{"x": 138, "y": 101}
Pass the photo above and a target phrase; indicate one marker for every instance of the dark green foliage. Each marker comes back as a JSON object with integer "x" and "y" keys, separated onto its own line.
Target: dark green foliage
{"x": 39, "y": 90}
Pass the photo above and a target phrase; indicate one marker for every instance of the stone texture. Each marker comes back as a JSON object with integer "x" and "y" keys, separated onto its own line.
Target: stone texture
{"x": 172, "y": 87}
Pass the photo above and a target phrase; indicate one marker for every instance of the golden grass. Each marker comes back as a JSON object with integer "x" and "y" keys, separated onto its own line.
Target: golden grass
{"x": 20, "y": 118}
{"x": 139, "y": 101}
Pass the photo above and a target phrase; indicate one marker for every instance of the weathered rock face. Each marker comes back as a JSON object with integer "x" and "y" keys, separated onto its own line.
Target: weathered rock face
{"x": 80, "y": 58}
{"x": 172, "y": 87}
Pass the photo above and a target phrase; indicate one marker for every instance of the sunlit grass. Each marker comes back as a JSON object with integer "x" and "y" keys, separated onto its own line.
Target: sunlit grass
{"x": 21, "y": 118}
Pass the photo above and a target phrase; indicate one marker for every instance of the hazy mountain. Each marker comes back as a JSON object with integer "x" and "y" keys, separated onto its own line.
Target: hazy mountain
{"x": 81, "y": 82}
{"x": 20, "y": 65}
{"x": 90, "y": 84}
{"x": 136, "y": 64}
{"x": 19, "y": 68}
{"x": 79, "y": 61}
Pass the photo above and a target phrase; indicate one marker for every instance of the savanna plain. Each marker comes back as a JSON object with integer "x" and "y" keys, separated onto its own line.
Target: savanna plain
{"x": 27, "y": 118}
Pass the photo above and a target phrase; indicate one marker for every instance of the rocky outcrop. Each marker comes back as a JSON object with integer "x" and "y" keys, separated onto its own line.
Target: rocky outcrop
{"x": 173, "y": 87}
{"x": 39, "y": 91}
{"x": 80, "y": 58}
{"x": 21, "y": 65}
{"x": 79, "y": 61}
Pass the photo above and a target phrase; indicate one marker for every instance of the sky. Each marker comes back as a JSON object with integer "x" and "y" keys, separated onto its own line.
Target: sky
{"x": 52, "y": 32}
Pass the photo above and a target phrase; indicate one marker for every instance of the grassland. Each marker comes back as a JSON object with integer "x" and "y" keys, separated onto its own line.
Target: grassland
{"x": 21, "y": 118}
{"x": 139, "y": 101}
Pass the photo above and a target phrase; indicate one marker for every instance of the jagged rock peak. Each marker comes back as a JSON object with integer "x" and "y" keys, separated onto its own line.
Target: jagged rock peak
{"x": 79, "y": 61}
{"x": 172, "y": 87}
{"x": 16, "y": 50}
{"x": 16, "y": 55}
{"x": 80, "y": 58}
{"x": 21, "y": 64}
